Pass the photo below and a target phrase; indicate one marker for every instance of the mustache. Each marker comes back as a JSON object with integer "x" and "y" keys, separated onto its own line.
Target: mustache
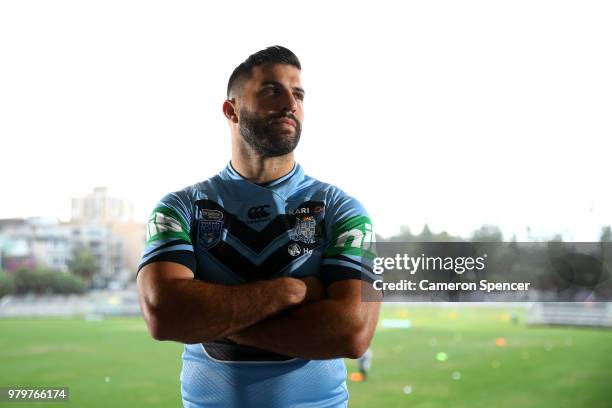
{"x": 283, "y": 115}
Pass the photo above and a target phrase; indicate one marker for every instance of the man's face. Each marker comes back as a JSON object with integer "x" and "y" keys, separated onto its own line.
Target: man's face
{"x": 270, "y": 109}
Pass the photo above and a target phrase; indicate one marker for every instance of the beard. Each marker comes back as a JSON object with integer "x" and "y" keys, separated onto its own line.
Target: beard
{"x": 267, "y": 139}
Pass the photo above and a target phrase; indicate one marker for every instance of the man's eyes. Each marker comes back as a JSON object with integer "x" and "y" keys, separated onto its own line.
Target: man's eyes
{"x": 276, "y": 91}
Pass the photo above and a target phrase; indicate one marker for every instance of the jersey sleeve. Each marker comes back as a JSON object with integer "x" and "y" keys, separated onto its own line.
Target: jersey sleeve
{"x": 349, "y": 252}
{"x": 169, "y": 232}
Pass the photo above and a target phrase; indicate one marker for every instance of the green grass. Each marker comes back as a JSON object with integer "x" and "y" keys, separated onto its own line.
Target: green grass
{"x": 114, "y": 362}
{"x": 537, "y": 367}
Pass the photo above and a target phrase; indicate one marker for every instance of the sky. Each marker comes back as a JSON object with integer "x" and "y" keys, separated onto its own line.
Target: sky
{"x": 450, "y": 113}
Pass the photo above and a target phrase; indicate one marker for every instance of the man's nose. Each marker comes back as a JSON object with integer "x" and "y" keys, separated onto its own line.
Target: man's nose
{"x": 289, "y": 102}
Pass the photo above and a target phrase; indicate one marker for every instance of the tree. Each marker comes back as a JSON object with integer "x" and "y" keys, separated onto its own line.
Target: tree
{"x": 45, "y": 281}
{"x": 82, "y": 263}
{"x": 606, "y": 234}
{"x": 605, "y": 239}
{"x": 7, "y": 284}
{"x": 426, "y": 235}
{"x": 487, "y": 233}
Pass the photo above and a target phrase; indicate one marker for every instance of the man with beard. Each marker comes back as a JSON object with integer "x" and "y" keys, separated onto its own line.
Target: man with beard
{"x": 259, "y": 270}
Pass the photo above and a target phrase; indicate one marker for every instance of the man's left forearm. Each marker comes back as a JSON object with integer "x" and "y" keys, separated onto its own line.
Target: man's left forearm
{"x": 329, "y": 328}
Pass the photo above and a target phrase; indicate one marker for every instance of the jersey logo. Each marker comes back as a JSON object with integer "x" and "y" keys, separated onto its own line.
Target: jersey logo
{"x": 160, "y": 223}
{"x": 305, "y": 230}
{"x": 353, "y": 237}
{"x": 210, "y": 227}
{"x": 258, "y": 212}
{"x": 294, "y": 250}
{"x": 357, "y": 237}
{"x": 209, "y": 233}
{"x": 211, "y": 215}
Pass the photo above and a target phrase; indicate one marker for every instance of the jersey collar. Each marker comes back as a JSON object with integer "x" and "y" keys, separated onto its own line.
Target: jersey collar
{"x": 284, "y": 185}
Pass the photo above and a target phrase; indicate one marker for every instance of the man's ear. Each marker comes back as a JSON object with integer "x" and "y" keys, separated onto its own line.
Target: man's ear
{"x": 229, "y": 110}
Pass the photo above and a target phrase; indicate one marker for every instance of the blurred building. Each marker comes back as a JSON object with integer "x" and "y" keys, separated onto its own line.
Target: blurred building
{"x": 33, "y": 242}
{"x": 133, "y": 237}
{"x": 50, "y": 243}
{"x": 100, "y": 224}
{"x": 98, "y": 207}
{"x": 105, "y": 226}
{"x": 15, "y": 253}
{"x": 105, "y": 248}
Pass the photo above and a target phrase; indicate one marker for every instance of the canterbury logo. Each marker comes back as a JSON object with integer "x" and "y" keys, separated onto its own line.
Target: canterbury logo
{"x": 258, "y": 212}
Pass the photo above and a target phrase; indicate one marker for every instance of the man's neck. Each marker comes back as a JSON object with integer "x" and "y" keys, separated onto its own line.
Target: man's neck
{"x": 263, "y": 170}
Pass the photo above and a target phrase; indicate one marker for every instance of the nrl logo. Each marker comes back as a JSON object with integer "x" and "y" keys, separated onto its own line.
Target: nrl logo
{"x": 212, "y": 215}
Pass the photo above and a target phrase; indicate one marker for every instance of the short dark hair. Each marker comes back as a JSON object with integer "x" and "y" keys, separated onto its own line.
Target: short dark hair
{"x": 271, "y": 55}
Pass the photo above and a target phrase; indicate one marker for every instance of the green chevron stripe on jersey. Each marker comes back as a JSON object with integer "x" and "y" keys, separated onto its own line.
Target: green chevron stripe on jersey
{"x": 352, "y": 236}
{"x": 166, "y": 223}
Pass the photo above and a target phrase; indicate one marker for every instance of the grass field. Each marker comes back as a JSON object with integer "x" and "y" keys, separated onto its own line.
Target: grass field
{"x": 114, "y": 363}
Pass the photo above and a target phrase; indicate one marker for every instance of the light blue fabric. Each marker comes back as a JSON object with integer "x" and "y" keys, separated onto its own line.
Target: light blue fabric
{"x": 230, "y": 231}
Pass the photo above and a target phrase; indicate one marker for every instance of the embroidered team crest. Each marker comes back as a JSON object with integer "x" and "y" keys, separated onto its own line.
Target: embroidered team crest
{"x": 209, "y": 233}
{"x": 305, "y": 230}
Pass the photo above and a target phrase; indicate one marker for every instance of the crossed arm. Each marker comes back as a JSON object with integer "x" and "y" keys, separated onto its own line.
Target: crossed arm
{"x": 295, "y": 317}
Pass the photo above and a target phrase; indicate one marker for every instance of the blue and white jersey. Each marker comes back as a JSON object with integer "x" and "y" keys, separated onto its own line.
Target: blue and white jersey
{"x": 228, "y": 230}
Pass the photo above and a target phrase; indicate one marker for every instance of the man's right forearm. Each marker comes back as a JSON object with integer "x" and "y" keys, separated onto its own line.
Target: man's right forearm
{"x": 192, "y": 311}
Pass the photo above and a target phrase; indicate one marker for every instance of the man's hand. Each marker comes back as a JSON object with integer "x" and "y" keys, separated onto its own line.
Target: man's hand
{"x": 177, "y": 307}
{"x": 314, "y": 290}
{"x": 340, "y": 325}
